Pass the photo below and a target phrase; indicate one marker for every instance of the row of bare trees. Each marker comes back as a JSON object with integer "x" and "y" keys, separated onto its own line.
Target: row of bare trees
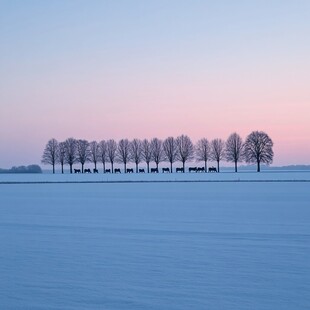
{"x": 257, "y": 148}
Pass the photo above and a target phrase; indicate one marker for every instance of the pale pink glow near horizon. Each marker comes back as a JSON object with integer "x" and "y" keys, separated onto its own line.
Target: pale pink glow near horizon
{"x": 209, "y": 79}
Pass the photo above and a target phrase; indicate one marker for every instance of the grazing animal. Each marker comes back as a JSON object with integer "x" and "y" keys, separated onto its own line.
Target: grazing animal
{"x": 179, "y": 170}
{"x": 95, "y": 170}
{"x": 192, "y": 169}
{"x": 154, "y": 170}
{"x": 129, "y": 170}
{"x": 200, "y": 169}
{"x": 108, "y": 171}
{"x": 212, "y": 169}
{"x": 77, "y": 170}
{"x": 166, "y": 170}
{"x": 117, "y": 170}
{"x": 87, "y": 171}
{"x": 141, "y": 171}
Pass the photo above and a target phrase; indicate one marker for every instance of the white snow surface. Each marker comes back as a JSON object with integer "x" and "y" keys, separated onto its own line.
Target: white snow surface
{"x": 217, "y": 245}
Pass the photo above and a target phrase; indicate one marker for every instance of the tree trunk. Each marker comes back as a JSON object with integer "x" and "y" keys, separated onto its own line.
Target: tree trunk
{"x": 70, "y": 168}
{"x": 171, "y": 167}
{"x": 103, "y": 167}
{"x": 137, "y": 167}
{"x": 218, "y": 166}
{"x": 183, "y": 166}
{"x": 148, "y": 167}
{"x": 112, "y": 166}
{"x": 157, "y": 165}
{"x": 53, "y": 168}
{"x": 125, "y": 168}
{"x": 82, "y": 168}
{"x": 258, "y": 166}
{"x": 206, "y": 166}
{"x": 95, "y": 165}
{"x": 236, "y": 168}
{"x": 62, "y": 168}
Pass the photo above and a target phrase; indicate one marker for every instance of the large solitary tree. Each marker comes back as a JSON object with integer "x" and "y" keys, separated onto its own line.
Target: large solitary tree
{"x": 157, "y": 151}
{"x": 234, "y": 149}
{"x": 217, "y": 147}
{"x": 123, "y": 152}
{"x": 185, "y": 149}
{"x": 147, "y": 153}
{"x": 203, "y": 151}
{"x": 111, "y": 152}
{"x": 258, "y": 148}
{"x": 50, "y": 153}
{"x": 136, "y": 152}
{"x": 70, "y": 158}
{"x": 170, "y": 150}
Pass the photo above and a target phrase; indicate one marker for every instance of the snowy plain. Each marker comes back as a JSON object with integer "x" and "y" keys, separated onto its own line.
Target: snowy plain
{"x": 155, "y": 245}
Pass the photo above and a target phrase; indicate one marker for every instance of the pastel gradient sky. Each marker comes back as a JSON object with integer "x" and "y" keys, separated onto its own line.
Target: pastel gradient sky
{"x": 126, "y": 69}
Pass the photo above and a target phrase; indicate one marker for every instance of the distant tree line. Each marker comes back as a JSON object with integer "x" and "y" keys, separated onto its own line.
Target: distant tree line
{"x": 257, "y": 148}
{"x": 23, "y": 169}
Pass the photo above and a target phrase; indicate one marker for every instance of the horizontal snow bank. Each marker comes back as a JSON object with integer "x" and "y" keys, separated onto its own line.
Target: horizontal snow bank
{"x": 160, "y": 177}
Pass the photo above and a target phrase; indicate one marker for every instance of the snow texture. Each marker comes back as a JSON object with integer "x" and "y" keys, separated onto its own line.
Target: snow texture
{"x": 227, "y": 245}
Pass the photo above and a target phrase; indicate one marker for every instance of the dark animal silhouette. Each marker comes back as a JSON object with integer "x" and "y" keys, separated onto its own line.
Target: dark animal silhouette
{"x": 107, "y": 171}
{"x": 212, "y": 169}
{"x": 179, "y": 170}
{"x": 87, "y": 171}
{"x": 141, "y": 171}
{"x": 117, "y": 170}
{"x": 129, "y": 170}
{"x": 192, "y": 169}
{"x": 200, "y": 169}
{"x": 166, "y": 170}
{"x": 77, "y": 170}
{"x": 154, "y": 170}
{"x": 95, "y": 170}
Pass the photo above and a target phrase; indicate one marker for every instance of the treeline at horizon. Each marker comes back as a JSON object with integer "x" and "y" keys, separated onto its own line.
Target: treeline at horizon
{"x": 256, "y": 149}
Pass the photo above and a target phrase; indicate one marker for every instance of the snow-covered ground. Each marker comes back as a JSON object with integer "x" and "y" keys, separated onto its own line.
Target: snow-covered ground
{"x": 227, "y": 245}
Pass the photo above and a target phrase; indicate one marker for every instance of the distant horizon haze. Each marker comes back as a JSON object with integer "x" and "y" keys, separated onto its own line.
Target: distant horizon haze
{"x": 142, "y": 69}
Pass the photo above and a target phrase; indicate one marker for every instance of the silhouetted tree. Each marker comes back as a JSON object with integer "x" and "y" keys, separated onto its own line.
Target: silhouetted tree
{"x": 135, "y": 150}
{"x": 185, "y": 149}
{"x": 234, "y": 149}
{"x": 50, "y": 153}
{"x": 123, "y": 152}
{"x": 147, "y": 153}
{"x": 202, "y": 151}
{"x": 258, "y": 148}
{"x": 83, "y": 154}
{"x": 103, "y": 153}
{"x": 217, "y": 148}
{"x": 70, "y": 158}
{"x": 61, "y": 155}
{"x": 112, "y": 152}
{"x": 157, "y": 151}
{"x": 94, "y": 152}
{"x": 170, "y": 150}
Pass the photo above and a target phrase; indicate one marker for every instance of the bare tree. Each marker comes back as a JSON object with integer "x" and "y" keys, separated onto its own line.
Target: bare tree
{"x": 123, "y": 152}
{"x": 203, "y": 151}
{"x": 217, "y": 151}
{"x": 234, "y": 149}
{"x": 170, "y": 150}
{"x": 103, "y": 153}
{"x": 185, "y": 149}
{"x": 136, "y": 152}
{"x": 83, "y": 154}
{"x": 50, "y": 153}
{"x": 111, "y": 152}
{"x": 70, "y": 158}
{"x": 61, "y": 155}
{"x": 258, "y": 148}
{"x": 147, "y": 153}
{"x": 94, "y": 152}
{"x": 157, "y": 151}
